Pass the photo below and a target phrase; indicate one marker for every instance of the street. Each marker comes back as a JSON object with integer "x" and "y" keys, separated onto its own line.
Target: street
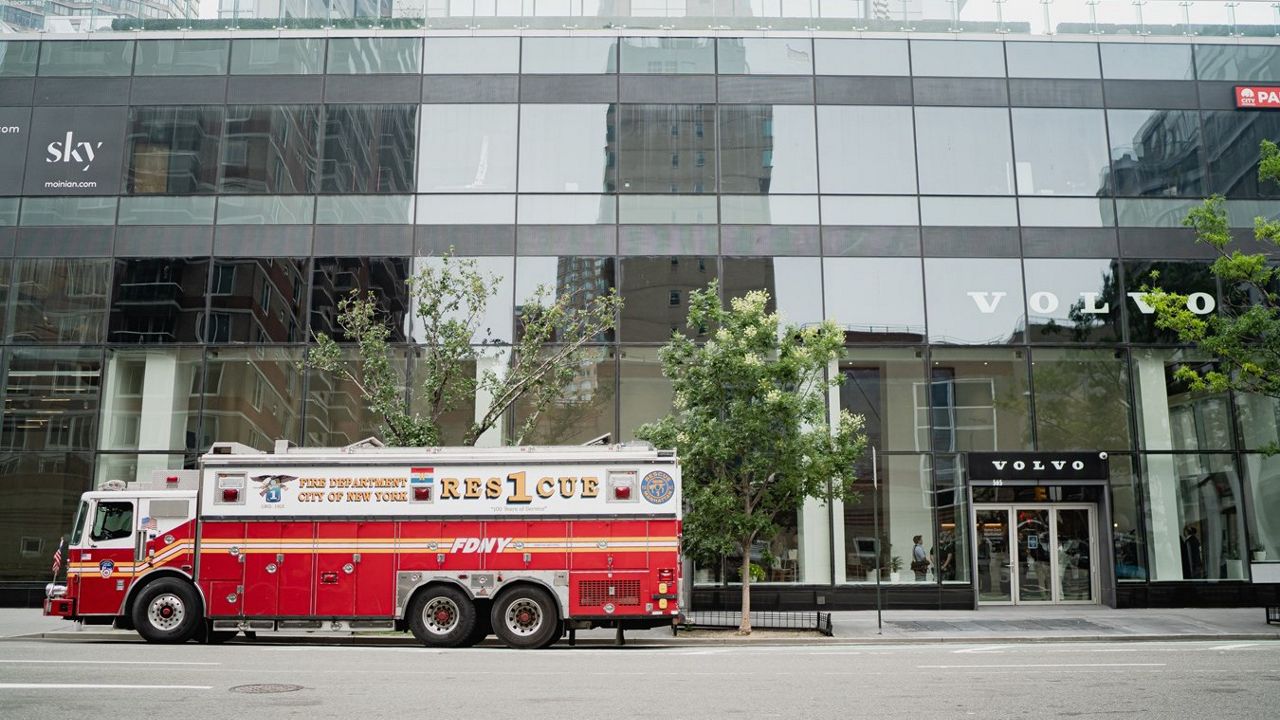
{"x": 73, "y": 679}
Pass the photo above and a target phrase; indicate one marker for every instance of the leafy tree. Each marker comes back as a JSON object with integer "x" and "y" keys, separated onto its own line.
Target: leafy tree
{"x": 450, "y": 297}
{"x": 750, "y": 425}
{"x": 1244, "y": 332}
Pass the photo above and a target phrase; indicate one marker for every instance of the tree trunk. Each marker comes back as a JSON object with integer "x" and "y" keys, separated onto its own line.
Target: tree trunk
{"x": 744, "y": 628}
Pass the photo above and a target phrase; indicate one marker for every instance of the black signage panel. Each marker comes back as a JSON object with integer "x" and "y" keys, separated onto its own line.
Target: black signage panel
{"x": 75, "y": 151}
{"x": 1064, "y": 467}
{"x": 15, "y": 128}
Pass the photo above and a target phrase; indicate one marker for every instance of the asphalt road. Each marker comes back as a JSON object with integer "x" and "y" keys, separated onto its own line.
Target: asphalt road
{"x": 61, "y": 679}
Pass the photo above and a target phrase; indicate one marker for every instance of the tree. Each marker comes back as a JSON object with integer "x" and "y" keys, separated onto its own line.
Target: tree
{"x": 450, "y": 296}
{"x": 750, "y": 425}
{"x": 1244, "y": 332}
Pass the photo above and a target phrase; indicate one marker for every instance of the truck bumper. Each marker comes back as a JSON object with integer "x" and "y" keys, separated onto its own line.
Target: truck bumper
{"x": 55, "y": 604}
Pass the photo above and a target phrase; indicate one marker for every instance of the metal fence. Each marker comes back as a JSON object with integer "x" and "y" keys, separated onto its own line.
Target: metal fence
{"x": 764, "y": 620}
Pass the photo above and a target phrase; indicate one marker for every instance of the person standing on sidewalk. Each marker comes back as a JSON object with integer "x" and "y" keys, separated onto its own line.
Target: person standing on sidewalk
{"x": 920, "y": 559}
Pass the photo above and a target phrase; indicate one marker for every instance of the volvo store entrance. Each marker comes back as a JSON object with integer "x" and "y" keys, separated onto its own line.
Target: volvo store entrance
{"x": 1039, "y": 528}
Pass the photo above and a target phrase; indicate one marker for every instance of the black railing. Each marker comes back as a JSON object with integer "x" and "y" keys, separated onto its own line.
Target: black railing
{"x": 763, "y": 620}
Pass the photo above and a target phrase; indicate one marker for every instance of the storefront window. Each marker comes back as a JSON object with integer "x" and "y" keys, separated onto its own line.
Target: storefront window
{"x": 666, "y": 149}
{"x": 767, "y": 149}
{"x": 1081, "y": 399}
{"x": 258, "y": 301}
{"x": 1170, "y": 415}
{"x": 1193, "y": 517}
{"x": 149, "y": 400}
{"x": 905, "y": 534}
{"x": 158, "y": 300}
{"x": 951, "y": 555}
{"x": 1263, "y": 476}
{"x": 368, "y": 149}
{"x": 774, "y": 560}
{"x": 882, "y": 385}
{"x": 977, "y": 400}
{"x": 173, "y": 150}
{"x": 1127, "y": 530}
{"x": 51, "y": 399}
{"x": 252, "y": 396}
{"x": 60, "y": 300}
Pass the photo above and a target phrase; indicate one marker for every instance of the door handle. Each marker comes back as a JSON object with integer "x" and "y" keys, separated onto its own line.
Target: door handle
{"x": 279, "y": 558}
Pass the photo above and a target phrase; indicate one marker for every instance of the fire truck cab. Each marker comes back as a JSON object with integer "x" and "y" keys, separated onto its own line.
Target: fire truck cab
{"x": 450, "y": 544}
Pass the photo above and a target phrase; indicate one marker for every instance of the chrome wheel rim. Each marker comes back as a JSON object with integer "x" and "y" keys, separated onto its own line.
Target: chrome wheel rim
{"x": 440, "y": 616}
{"x": 166, "y": 612}
{"x": 524, "y": 617}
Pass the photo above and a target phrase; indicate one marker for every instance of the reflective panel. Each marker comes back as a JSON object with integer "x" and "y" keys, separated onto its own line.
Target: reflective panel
{"x": 1262, "y": 473}
{"x": 38, "y": 500}
{"x": 1060, "y": 151}
{"x": 151, "y": 400}
{"x": 566, "y": 148}
{"x": 1170, "y": 415}
{"x": 374, "y": 55}
{"x": 788, "y": 280}
{"x": 1127, "y": 538}
{"x": 1052, "y": 60}
{"x": 881, "y": 210}
{"x": 266, "y": 210}
{"x": 1153, "y": 212}
{"x": 769, "y": 209}
{"x": 880, "y": 384}
{"x": 18, "y": 59}
{"x": 1073, "y": 301}
{"x": 567, "y": 210}
{"x": 666, "y": 148}
{"x": 583, "y": 412}
{"x": 270, "y": 149}
{"x": 182, "y": 57}
{"x": 645, "y": 392}
{"x": 875, "y": 299}
{"x": 337, "y": 413}
{"x": 1192, "y": 279}
{"x": 767, "y": 149}
{"x": 995, "y": 556}
{"x": 158, "y": 300}
{"x": 257, "y": 301}
{"x": 905, "y": 524}
{"x": 472, "y": 55}
{"x": 974, "y": 301}
{"x": 97, "y": 58}
{"x": 866, "y": 149}
{"x": 159, "y": 210}
{"x": 655, "y": 291}
{"x": 468, "y": 148}
{"x": 1146, "y": 62}
{"x": 969, "y": 211}
{"x": 277, "y": 56}
{"x": 335, "y": 278}
{"x": 861, "y": 57}
{"x": 551, "y": 55}
{"x": 964, "y": 151}
{"x": 62, "y": 300}
{"x": 765, "y": 56}
{"x": 1156, "y": 152}
{"x": 581, "y": 279}
{"x": 977, "y": 400}
{"x": 140, "y": 467}
{"x": 667, "y": 209}
{"x": 173, "y": 150}
{"x": 1231, "y": 140}
{"x": 51, "y": 399}
{"x": 946, "y": 58}
{"x": 1082, "y": 399}
{"x": 68, "y": 211}
{"x": 466, "y": 209}
{"x": 368, "y": 149}
{"x": 252, "y": 396}
{"x": 1066, "y": 212}
{"x": 1193, "y": 517}
{"x": 668, "y": 55}
{"x": 9, "y": 212}
{"x": 1241, "y": 63}
{"x": 495, "y": 320}
{"x": 364, "y": 209}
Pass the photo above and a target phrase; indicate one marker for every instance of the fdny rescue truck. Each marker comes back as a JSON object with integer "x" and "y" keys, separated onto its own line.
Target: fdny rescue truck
{"x": 448, "y": 543}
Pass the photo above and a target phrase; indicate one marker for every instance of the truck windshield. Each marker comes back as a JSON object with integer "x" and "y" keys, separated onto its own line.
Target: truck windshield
{"x": 78, "y": 529}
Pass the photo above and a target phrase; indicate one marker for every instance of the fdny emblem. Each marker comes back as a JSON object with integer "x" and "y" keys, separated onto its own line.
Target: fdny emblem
{"x": 272, "y": 486}
{"x": 657, "y": 487}
{"x": 105, "y": 568}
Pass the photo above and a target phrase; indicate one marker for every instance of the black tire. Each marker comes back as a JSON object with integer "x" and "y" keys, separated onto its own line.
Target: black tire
{"x": 442, "y": 616}
{"x": 167, "y": 611}
{"x": 555, "y": 636}
{"x": 482, "y": 629}
{"x": 525, "y": 617}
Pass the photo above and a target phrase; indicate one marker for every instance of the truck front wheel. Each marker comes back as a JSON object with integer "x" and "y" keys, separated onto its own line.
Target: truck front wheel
{"x": 167, "y": 611}
{"x": 442, "y": 616}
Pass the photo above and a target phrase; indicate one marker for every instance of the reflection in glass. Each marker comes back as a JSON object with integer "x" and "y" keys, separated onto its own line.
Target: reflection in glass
{"x": 1156, "y": 152}
{"x": 1146, "y": 62}
{"x": 181, "y": 57}
{"x": 265, "y": 209}
{"x": 964, "y": 151}
{"x": 1073, "y": 301}
{"x": 769, "y": 209}
{"x": 453, "y": 416}
{"x": 1035, "y": 579}
{"x": 495, "y": 322}
{"x": 277, "y": 56}
{"x": 667, "y": 209}
{"x": 51, "y": 400}
{"x": 68, "y": 211}
{"x": 881, "y": 210}
{"x": 581, "y": 279}
{"x": 166, "y": 210}
{"x": 565, "y": 148}
{"x": 466, "y": 210}
{"x": 1127, "y": 539}
{"x": 567, "y": 210}
{"x": 1052, "y": 60}
{"x": 969, "y": 211}
{"x": 1066, "y": 212}
{"x": 668, "y": 55}
{"x": 866, "y": 149}
{"x": 252, "y": 396}
{"x": 335, "y": 278}
{"x": 1247, "y": 63}
{"x": 140, "y": 467}
{"x": 18, "y": 59}
{"x": 364, "y": 209}
{"x": 1060, "y": 151}
{"x": 173, "y": 150}
{"x": 645, "y": 392}
{"x": 951, "y": 556}
{"x": 1075, "y": 556}
{"x": 1262, "y": 474}
{"x": 789, "y": 281}
{"x": 945, "y": 58}
{"x": 158, "y": 300}
{"x": 558, "y": 55}
{"x": 468, "y": 148}
{"x": 879, "y": 384}
{"x": 59, "y": 300}
{"x": 974, "y": 301}
{"x": 270, "y": 149}
{"x": 1170, "y": 415}
{"x": 369, "y": 55}
{"x": 861, "y": 57}
{"x": 767, "y": 149}
{"x": 1259, "y": 418}
{"x": 655, "y": 291}
{"x": 875, "y": 299}
{"x": 257, "y": 301}
{"x": 1194, "y": 521}
{"x": 337, "y": 413}
{"x": 83, "y": 58}
{"x": 368, "y": 149}
{"x": 39, "y": 494}
{"x": 1155, "y": 212}
{"x": 1082, "y": 399}
{"x": 666, "y": 148}
{"x": 584, "y": 410}
{"x": 995, "y": 557}
{"x": 906, "y": 512}
{"x": 472, "y": 55}
{"x": 1231, "y": 143}
{"x": 150, "y": 400}
{"x": 765, "y": 56}
{"x": 1189, "y": 278}
{"x": 977, "y": 400}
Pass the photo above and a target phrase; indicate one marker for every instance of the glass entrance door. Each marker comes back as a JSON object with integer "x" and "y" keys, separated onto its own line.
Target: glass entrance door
{"x": 1035, "y": 553}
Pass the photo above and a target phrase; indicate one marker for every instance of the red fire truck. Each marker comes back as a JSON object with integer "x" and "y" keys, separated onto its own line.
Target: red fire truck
{"x": 448, "y": 543}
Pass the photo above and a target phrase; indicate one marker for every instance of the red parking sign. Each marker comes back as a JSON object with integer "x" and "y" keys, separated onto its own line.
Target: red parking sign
{"x": 1257, "y": 96}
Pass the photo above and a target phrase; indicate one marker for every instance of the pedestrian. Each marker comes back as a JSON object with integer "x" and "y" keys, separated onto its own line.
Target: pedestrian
{"x": 920, "y": 559}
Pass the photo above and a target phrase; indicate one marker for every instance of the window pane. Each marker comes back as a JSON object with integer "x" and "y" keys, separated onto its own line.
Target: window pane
{"x": 951, "y": 560}
{"x": 667, "y": 148}
{"x": 158, "y": 300}
{"x": 769, "y": 210}
{"x": 370, "y": 55}
{"x": 1060, "y": 152}
{"x": 583, "y": 279}
{"x": 6, "y": 281}
{"x": 978, "y": 400}
{"x": 18, "y": 59}
{"x": 667, "y": 209}
{"x": 947, "y": 58}
{"x": 646, "y": 393}
{"x": 148, "y": 401}
{"x": 905, "y": 515}
{"x": 861, "y": 57}
{"x": 882, "y": 210}
{"x": 68, "y": 211}
{"x": 974, "y": 301}
{"x": 964, "y": 151}
{"x": 968, "y": 211}
{"x": 1263, "y": 477}
{"x": 1259, "y": 420}
{"x": 52, "y": 399}
{"x": 1067, "y": 212}
{"x": 1153, "y": 212}
{"x": 258, "y": 301}
{"x": 1231, "y": 143}
{"x": 140, "y": 467}
{"x": 590, "y": 55}
{"x": 881, "y": 385}
{"x": 1052, "y": 60}
{"x": 668, "y": 55}
{"x": 466, "y": 209}
{"x": 1128, "y": 537}
{"x": 182, "y": 57}
{"x": 566, "y": 148}
{"x": 334, "y": 278}
{"x": 1247, "y": 63}
{"x": 98, "y": 58}
{"x": 337, "y": 412}
{"x": 494, "y": 324}
{"x": 1146, "y": 62}
{"x": 276, "y": 56}
{"x": 60, "y": 300}
{"x": 472, "y": 55}
{"x": 271, "y": 149}
{"x": 1073, "y": 301}
{"x": 457, "y": 415}
{"x": 1170, "y": 415}
{"x": 583, "y": 412}
{"x": 252, "y": 396}
{"x": 158, "y": 210}
{"x": 1192, "y": 279}
{"x": 468, "y": 148}
{"x": 1082, "y": 399}
{"x": 866, "y": 149}
{"x": 1193, "y": 517}
{"x": 9, "y": 212}
{"x": 1156, "y": 152}
{"x": 765, "y": 56}
{"x": 265, "y": 210}
{"x": 788, "y": 280}
{"x": 875, "y": 299}
{"x": 38, "y": 501}
{"x": 364, "y": 209}
{"x": 767, "y": 149}
{"x": 655, "y": 291}
{"x": 173, "y": 150}
{"x": 568, "y": 210}
{"x": 368, "y": 149}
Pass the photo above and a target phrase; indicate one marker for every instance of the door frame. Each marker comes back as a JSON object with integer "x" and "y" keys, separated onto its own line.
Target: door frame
{"x": 1010, "y": 510}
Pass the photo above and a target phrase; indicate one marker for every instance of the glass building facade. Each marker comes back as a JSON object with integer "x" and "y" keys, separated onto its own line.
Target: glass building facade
{"x": 178, "y": 217}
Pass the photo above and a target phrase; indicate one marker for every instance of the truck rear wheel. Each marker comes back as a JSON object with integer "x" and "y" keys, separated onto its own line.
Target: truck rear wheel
{"x": 525, "y": 616}
{"x": 442, "y": 616}
{"x": 167, "y": 611}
